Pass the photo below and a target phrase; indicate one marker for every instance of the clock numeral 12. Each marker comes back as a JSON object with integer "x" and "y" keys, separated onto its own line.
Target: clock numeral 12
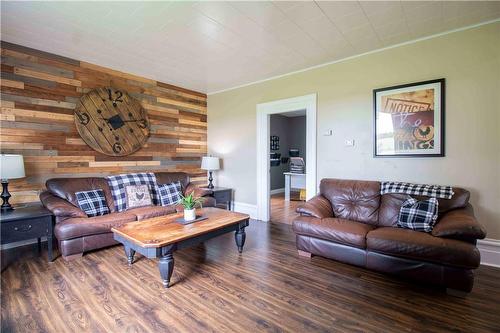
{"x": 118, "y": 99}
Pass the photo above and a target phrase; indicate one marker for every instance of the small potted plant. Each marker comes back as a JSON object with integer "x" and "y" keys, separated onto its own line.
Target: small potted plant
{"x": 189, "y": 203}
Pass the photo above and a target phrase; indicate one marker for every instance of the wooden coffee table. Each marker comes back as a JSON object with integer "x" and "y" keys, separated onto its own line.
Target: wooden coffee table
{"x": 159, "y": 237}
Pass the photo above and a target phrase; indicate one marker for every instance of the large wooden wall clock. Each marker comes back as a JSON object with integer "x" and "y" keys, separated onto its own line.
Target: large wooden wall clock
{"x": 111, "y": 122}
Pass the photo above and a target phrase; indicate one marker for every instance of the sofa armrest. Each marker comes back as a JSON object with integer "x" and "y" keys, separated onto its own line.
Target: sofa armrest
{"x": 201, "y": 192}
{"x": 61, "y": 208}
{"x": 318, "y": 207}
{"x": 459, "y": 224}
{"x": 197, "y": 191}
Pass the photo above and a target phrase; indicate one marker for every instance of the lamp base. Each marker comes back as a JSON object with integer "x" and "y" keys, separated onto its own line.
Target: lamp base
{"x": 6, "y": 206}
{"x": 210, "y": 179}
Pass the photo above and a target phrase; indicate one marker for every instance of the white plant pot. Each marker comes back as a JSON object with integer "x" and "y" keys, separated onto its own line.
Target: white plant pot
{"x": 189, "y": 214}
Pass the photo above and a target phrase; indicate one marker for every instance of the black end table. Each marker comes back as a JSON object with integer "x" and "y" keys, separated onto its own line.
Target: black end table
{"x": 222, "y": 195}
{"x": 25, "y": 223}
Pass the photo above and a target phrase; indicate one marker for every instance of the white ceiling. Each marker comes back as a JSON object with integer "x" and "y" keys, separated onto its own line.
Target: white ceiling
{"x": 212, "y": 46}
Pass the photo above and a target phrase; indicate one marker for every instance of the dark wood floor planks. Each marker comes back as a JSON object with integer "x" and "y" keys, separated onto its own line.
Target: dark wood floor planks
{"x": 267, "y": 288}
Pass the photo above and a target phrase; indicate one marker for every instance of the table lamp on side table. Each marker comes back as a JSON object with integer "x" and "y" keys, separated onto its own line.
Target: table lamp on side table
{"x": 210, "y": 163}
{"x": 11, "y": 167}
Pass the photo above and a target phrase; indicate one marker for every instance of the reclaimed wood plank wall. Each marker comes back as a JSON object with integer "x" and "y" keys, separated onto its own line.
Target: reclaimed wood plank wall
{"x": 39, "y": 92}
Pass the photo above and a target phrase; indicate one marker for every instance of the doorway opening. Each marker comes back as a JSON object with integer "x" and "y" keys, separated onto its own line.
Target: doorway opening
{"x": 287, "y": 162}
{"x": 286, "y": 156}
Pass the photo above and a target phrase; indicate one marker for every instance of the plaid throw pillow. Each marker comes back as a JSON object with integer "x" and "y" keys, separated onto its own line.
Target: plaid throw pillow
{"x": 118, "y": 183}
{"x": 170, "y": 194}
{"x": 418, "y": 215}
{"x": 93, "y": 202}
{"x": 436, "y": 191}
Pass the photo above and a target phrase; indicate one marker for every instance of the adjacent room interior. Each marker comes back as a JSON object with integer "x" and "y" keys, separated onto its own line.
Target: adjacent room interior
{"x": 287, "y": 160}
{"x": 247, "y": 166}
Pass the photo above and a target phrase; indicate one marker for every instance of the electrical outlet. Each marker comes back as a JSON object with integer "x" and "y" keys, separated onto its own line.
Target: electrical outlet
{"x": 349, "y": 143}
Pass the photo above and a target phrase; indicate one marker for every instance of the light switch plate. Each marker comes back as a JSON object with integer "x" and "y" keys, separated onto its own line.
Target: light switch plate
{"x": 328, "y": 133}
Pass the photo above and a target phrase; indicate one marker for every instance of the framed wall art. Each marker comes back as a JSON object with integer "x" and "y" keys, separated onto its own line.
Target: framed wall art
{"x": 275, "y": 142}
{"x": 409, "y": 120}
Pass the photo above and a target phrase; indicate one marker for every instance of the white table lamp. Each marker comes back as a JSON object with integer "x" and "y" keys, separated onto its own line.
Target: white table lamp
{"x": 210, "y": 163}
{"x": 11, "y": 167}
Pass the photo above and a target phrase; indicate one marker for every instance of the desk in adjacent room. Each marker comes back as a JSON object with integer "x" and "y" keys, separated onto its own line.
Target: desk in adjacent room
{"x": 294, "y": 181}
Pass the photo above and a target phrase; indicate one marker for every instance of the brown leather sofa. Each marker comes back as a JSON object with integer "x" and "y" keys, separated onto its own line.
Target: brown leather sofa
{"x": 77, "y": 233}
{"x": 350, "y": 221}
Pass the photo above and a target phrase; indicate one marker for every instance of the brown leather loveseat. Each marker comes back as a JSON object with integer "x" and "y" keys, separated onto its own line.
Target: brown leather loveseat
{"x": 77, "y": 233}
{"x": 350, "y": 221}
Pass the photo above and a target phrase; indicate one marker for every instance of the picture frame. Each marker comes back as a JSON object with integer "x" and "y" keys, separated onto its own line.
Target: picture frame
{"x": 409, "y": 120}
{"x": 275, "y": 142}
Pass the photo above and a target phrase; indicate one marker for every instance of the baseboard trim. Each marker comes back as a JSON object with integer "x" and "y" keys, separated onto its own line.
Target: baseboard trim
{"x": 278, "y": 190}
{"x": 245, "y": 208}
{"x": 490, "y": 251}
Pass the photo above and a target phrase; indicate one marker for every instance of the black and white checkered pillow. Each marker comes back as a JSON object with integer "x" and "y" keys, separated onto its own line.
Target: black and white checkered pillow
{"x": 92, "y": 202}
{"x": 118, "y": 183}
{"x": 418, "y": 215}
{"x": 170, "y": 194}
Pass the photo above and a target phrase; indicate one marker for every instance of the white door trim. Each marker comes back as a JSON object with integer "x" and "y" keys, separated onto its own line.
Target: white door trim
{"x": 264, "y": 110}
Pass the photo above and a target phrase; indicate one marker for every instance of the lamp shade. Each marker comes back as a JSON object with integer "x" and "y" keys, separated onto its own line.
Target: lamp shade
{"x": 210, "y": 163}
{"x": 11, "y": 166}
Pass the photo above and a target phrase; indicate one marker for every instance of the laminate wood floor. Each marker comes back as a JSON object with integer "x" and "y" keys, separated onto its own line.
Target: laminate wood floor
{"x": 268, "y": 288}
{"x": 284, "y": 211}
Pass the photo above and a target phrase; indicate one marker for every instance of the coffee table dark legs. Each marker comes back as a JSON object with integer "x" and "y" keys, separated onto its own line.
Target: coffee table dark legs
{"x": 166, "y": 266}
{"x": 240, "y": 236}
{"x": 165, "y": 253}
{"x": 130, "y": 255}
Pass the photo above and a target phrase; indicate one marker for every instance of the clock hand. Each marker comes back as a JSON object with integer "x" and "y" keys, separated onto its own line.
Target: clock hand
{"x": 125, "y": 121}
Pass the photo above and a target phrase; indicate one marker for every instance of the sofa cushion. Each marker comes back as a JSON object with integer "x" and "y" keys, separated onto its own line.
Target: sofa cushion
{"x": 148, "y": 212}
{"x": 333, "y": 229}
{"x": 416, "y": 245}
{"x": 354, "y": 200}
{"x": 317, "y": 206}
{"x": 460, "y": 224}
{"x": 172, "y": 177}
{"x": 65, "y": 188}
{"x": 61, "y": 208}
{"x": 390, "y": 204}
{"x": 85, "y": 226}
